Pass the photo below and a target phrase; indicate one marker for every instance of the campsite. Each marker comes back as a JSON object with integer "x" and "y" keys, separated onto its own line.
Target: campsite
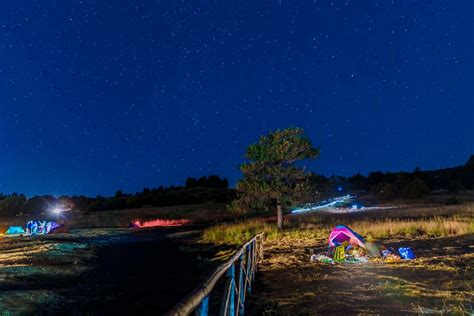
{"x": 102, "y": 265}
{"x": 122, "y": 268}
{"x": 439, "y": 280}
{"x": 97, "y": 270}
{"x": 262, "y": 158}
{"x": 350, "y": 250}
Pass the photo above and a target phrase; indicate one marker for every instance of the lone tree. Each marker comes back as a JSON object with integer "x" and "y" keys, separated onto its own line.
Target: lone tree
{"x": 271, "y": 176}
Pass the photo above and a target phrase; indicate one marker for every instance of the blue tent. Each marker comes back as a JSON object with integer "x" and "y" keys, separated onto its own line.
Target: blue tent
{"x": 15, "y": 230}
{"x": 40, "y": 227}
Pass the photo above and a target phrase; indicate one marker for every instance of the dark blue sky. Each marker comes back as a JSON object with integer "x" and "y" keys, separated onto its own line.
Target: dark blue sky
{"x": 101, "y": 95}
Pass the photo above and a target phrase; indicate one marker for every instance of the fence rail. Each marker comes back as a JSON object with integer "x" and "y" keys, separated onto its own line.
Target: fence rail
{"x": 239, "y": 271}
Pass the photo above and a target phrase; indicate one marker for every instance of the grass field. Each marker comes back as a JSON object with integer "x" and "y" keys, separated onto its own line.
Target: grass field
{"x": 100, "y": 271}
{"x": 199, "y": 213}
{"x": 406, "y": 222}
{"x": 439, "y": 281}
{"x": 79, "y": 270}
{"x": 101, "y": 265}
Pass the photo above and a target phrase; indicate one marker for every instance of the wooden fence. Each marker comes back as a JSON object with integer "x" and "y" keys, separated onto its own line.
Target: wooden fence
{"x": 239, "y": 272}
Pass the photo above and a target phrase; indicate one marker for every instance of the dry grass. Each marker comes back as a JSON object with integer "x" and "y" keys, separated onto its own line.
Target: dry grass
{"x": 434, "y": 227}
{"x": 405, "y": 223}
{"x": 438, "y": 281}
{"x": 239, "y": 232}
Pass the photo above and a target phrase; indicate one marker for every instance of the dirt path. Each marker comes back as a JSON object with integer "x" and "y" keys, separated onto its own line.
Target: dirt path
{"x": 138, "y": 275}
{"x": 96, "y": 273}
{"x": 440, "y": 281}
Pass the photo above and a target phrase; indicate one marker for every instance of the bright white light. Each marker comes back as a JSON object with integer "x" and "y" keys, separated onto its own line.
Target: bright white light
{"x": 56, "y": 211}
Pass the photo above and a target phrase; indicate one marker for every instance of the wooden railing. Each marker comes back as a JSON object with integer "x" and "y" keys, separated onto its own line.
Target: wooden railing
{"x": 239, "y": 271}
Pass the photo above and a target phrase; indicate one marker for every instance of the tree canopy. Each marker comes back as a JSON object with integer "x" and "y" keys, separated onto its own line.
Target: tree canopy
{"x": 271, "y": 177}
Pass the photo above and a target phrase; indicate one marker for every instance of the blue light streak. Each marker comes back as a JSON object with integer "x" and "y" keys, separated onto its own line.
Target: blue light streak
{"x": 324, "y": 204}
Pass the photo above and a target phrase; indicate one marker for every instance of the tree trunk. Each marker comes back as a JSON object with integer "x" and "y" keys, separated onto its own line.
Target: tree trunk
{"x": 279, "y": 215}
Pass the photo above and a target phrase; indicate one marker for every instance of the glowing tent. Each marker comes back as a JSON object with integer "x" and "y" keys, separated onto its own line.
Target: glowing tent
{"x": 343, "y": 233}
{"x": 41, "y": 227}
{"x": 15, "y": 230}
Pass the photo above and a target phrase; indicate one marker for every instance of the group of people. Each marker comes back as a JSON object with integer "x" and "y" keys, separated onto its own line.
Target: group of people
{"x": 40, "y": 227}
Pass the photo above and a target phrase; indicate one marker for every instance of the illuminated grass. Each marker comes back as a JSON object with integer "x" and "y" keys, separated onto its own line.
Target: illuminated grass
{"x": 438, "y": 282}
{"x": 372, "y": 227}
{"x": 432, "y": 227}
{"x": 239, "y": 232}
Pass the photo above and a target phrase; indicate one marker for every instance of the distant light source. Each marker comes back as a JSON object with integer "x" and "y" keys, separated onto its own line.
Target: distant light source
{"x": 56, "y": 210}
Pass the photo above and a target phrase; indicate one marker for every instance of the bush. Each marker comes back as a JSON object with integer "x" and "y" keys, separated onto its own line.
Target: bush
{"x": 452, "y": 201}
{"x": 416, "y": 189}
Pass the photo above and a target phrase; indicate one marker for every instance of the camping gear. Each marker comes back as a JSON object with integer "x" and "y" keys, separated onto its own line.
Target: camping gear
{"x": 340, "y": 254}
{"x": 355, "y": 252}
{"x": 61, "y": 229}
{"x": 356, "y": 260}
{"x": 330, "y": 251}
{"x": 406, "y": 253}
{"x": 392, "y": 258}
{"x": 346, "y": 246}
{"x": 321, "y": 258}
{"x": 134, "y": 224}
{"x": 373, "y": 249}
{"x": 342, "y": 233}
{"x": 15, "y": 230}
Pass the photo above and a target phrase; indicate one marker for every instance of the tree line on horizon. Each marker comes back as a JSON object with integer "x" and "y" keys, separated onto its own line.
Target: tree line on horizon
{"x": 274, "y": 177}
{"x": 384, "y": 185}
{"x": 211, "y": 188}
{"x": 271, "y": 180}
{"x": 410, "y": 185}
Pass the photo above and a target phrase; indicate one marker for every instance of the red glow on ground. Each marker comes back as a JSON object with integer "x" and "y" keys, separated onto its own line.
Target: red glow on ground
{"x": 163, "y": 223}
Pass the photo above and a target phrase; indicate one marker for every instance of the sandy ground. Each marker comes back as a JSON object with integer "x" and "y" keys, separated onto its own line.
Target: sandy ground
{"x": 439, "y": 281}
{"x": 97, "y": 272}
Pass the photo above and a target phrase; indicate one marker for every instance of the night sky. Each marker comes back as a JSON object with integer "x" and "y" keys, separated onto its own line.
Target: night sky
{"x": 101, "y": 95}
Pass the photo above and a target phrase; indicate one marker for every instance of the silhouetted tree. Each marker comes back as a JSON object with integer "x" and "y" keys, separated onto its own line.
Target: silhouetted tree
{"x": 134, "y": 202}
{"x": 271, "y": 176}
{"x": 13, "y": 204}
{"x": 454, "y": 186}
{"x": 416, "y": 189}
{"x": 190, "y": 183}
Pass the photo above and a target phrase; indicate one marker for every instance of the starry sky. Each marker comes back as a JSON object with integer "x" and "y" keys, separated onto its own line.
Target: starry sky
{"x": 101, "y": 95}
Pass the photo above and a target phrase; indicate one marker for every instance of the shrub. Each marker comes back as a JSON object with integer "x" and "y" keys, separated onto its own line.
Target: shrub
{"x": 452, "y": 201}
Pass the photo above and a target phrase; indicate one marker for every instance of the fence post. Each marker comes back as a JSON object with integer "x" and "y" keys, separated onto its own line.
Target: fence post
{"x": 247, "y": 258}
{"x": 203, "y": 308}
{"x": 241, "y": 291}
{"x": 254, "y": 258}
{"x": 232, "y": 290}
{"x": 248, "y": 274}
